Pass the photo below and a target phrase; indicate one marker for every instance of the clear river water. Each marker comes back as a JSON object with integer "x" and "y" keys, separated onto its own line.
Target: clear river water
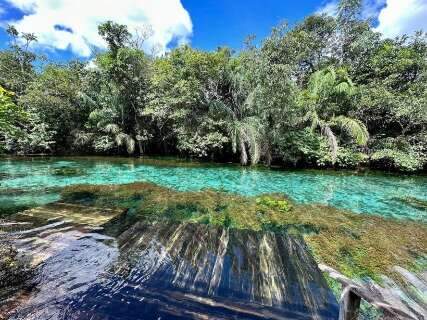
{"x": 168, "y": 270}
{"x": 37, "y": 181}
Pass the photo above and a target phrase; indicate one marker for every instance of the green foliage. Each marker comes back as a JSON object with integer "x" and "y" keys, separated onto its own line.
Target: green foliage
{"x": 11, "y": 115}
{"x": 269, "y": 202}
{"x": 398, "y": 159}
{"x": 16, "y": 70}
{"x": 355, "y": 244}
{"x": 328, "y": 92}
{"x": 187, "y": 84}
{"x": 54, "y": 98}
{"x": 116, "y": 35}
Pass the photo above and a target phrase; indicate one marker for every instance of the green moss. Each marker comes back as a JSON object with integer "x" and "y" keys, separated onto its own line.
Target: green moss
{"x": 272, "y": 203}
{"x": 414, "y": 202}
{"x": 357, "y": 245}
{"x": 8, "y": 209}
{"x": 14, "y": 272}
{"x": 68, "y": 172}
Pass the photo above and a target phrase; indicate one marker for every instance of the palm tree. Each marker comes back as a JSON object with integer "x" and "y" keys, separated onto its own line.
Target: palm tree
{"x": 325, "y": 89}
{"x": 243, "y": 126}
{"x": 244, "y": 135}
{"x": 121, "y": 138}
{"x": 104, "y": 130}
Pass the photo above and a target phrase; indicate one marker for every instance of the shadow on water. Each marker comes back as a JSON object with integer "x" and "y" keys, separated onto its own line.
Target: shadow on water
{"x": 172, "y": 271}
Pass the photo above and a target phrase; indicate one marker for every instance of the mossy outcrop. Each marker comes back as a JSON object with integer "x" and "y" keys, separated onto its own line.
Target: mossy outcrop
{"x": 14, "y": 271}
{"x": 357, "y": 245}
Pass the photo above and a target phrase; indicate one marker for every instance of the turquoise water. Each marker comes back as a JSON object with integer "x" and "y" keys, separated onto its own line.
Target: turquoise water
{"x": 38, "y": 181}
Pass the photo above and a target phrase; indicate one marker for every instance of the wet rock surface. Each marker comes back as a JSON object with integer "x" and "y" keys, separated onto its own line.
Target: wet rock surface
{"x": 15, "y": 275}
{"x": 172, "y": 271}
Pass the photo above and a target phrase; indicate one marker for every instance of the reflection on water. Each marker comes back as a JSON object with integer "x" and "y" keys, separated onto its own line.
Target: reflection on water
{"x": 38, "y": 181}
{"x": 172, "y": 271}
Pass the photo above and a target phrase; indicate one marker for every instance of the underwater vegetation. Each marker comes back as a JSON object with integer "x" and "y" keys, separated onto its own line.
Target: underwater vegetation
{"x": 414, "y": 202}
{"x": 361, "y": 193}
{"x": 357, "y": 245}
{"x": 14, "y": 271}
{"x": 14, "y": 200}
{"x": 68, "y": 171}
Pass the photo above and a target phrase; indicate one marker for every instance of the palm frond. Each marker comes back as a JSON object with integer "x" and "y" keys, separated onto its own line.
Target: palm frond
{"x": 127, "y": 140}
{"x": 243, "y": 153}
{"x": 321, "y": 82}
{"x": 111, "y": 128}
{"x": 82, "y": 138}
{"x": 252, "y": 132}
{"x": 233, "y": 138}
{"x": 344, "y": 88}
{"x": 313, "y": 117}
{"x": 355, "y": 128}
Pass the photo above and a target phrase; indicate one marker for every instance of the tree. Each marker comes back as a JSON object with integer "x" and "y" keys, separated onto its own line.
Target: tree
{"x": 12, "y": 116}
{"x": 116, "y": 35}
{"x": 129, "y": 71}
{"x": 54, "y": 96}
{"x": 186, "y": 84}
{"x": 305, "y": 96}
{"x": 235, "y": 105}
{"x": 16, "y": 69}
{"x": 393, "y": 101}
{"x": 322, "y": 102}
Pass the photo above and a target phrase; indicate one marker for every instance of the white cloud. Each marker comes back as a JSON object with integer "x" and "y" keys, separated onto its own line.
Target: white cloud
{"x": 330, "y": 9}
{"x": 402, "y": 16}
{"x": 395, "y": 17}
{"x": 370, "y": 8}
{"x": 168, "y": 19}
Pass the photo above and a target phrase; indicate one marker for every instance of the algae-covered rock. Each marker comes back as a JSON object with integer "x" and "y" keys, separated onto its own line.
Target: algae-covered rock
{"x": 358, "y": 245}
{"x": 14, "y": 271}
{"x": 274, "y": 203}
{"x": 68, "y": 171}
{"x": 417, "y": 203}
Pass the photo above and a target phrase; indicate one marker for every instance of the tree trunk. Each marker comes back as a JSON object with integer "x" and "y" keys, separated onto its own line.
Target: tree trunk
{"x": 138, "y": 130}
{"x": 268, "y": 157}
{"x": 138, "y": 135}
{"x": 243, "y": 153}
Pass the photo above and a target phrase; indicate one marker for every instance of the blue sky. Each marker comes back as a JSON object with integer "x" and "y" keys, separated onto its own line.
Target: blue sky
{"x": 68, "y": 28}
{"x": 225, "y": 22}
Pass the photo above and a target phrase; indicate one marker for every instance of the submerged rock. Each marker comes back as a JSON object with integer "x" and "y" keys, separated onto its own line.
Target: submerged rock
{"x": 221, "y": 271}
{"x": 417, "y": 203}
{"x": 68, "y": 171}
{"x": 14, "y": 274}
{"x": 172, "y": 271}
{"x": 358, "y": 245}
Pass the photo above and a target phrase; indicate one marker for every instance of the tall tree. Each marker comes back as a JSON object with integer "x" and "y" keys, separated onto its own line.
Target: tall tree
{"x": 16, "y": 69}
{"x": 129, "y": 70}
{"x": 326, "y": 92}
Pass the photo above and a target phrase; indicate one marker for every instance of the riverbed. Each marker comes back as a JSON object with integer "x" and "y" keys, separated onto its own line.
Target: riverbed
{"x": 152, "y": 238}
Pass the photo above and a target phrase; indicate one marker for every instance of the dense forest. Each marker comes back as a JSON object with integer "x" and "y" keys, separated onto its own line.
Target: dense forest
{"x": 327, "y": 92}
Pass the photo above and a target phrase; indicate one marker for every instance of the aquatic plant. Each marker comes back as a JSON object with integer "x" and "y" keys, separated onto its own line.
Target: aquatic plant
{"x": 413, "y": 202}
{"x": 8, "y": 209}
{"x": 270, "y": 202}
{"x": 14, "y": 271}
{"x": 68, "y": 171}
{"x": 355, "y": 244}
